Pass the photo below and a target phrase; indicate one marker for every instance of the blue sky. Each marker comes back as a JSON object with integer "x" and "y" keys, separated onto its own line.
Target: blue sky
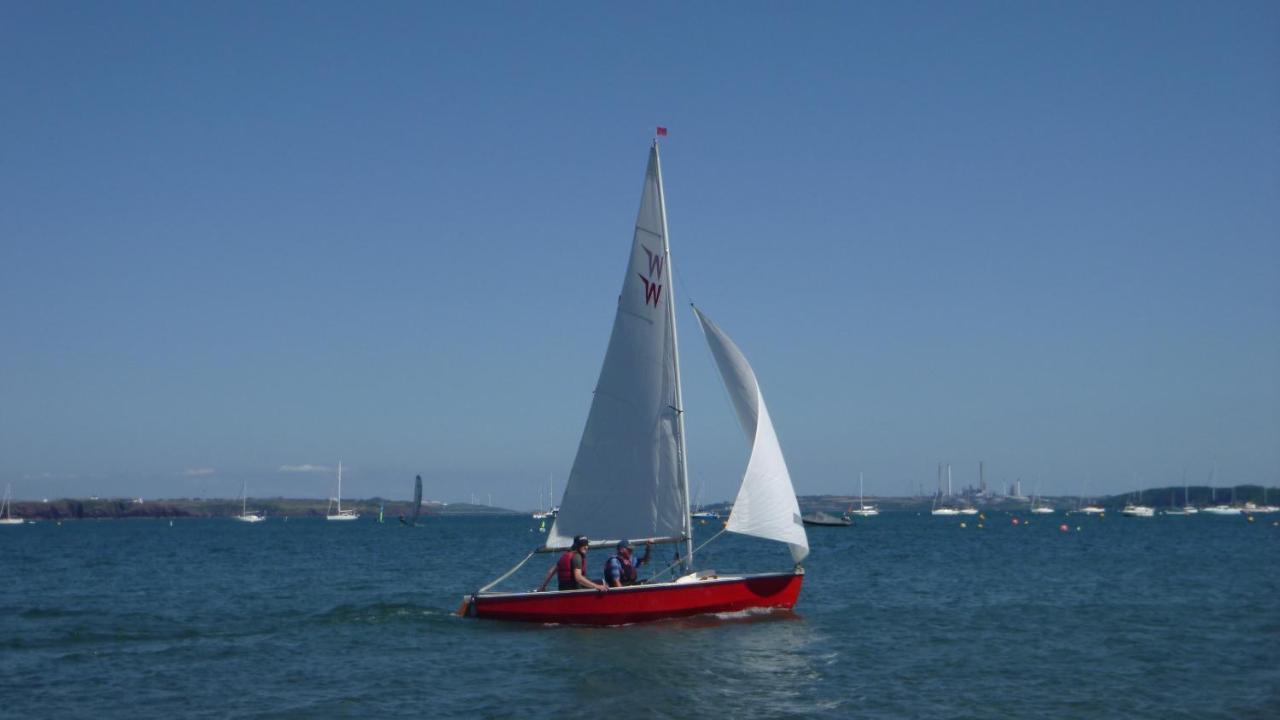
{"x": 239, "y": 239}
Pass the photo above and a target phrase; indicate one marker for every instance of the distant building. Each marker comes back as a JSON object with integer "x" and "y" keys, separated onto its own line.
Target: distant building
{"x": 1016, "y": 490}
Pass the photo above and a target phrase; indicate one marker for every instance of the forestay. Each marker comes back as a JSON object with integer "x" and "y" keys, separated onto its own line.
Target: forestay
{"x": 625, "y": 481}
{"x": 766, "y": 505}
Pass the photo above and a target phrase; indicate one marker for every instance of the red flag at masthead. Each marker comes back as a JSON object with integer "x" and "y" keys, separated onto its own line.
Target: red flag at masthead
{"x": 662, "y": 131}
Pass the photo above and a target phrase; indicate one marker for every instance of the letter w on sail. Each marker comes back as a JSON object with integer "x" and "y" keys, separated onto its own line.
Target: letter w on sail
{"x": 652, "y": 291}
{"x": 655, "y": 263}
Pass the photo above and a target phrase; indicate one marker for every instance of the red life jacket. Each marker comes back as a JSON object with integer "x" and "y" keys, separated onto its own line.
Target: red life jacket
{"x": 564, "y": 570}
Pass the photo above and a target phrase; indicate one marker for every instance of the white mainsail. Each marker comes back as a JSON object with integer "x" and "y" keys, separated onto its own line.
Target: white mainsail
{"x": 766, "y": 505}
{"x": 626, "y": 480}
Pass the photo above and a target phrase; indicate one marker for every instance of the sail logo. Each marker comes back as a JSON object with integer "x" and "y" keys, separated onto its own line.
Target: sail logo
{"x": 652, "y": 290}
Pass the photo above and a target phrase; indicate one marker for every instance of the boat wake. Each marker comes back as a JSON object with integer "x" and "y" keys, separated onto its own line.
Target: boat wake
{"x": 377, "y": 614}
{"x": 737, "y": 617}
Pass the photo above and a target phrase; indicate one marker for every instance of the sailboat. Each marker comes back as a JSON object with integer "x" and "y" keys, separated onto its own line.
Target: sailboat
{"x": 1137, "y": 509}
{"x": 1038, "y": 506}
{"x": 1187, "y": 508}
{"x": 245, "y": 515}
{"x": 6, "y": 508}
{"x": 701, "y": 515}
{"x": 341, "y": 514}
{"x": 1265, "y": 508}
{"x": 417, "y": 504}
{"x": 943, "y": 510}
{"x": 1090, "y": 508}
{"x": 630, "y": 478}
{"x": 552, "y": 509}
{"x": 417, "y": 500}
{"x": 1218, "y": 508}
{"x": 863, "y": 509}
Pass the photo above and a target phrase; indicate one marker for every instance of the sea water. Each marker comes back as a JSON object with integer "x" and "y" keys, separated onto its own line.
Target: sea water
{"x": 902, "y": 615}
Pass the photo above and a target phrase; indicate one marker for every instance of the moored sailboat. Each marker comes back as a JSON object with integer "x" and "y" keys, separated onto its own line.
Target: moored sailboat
{"x": 1137, "y": 509}
{"x": 630, "y": 478}
{"x": 1087, "y": 508}
{"x": 6, "y": 508}
{"x": 863, "y": 509}
{"x": 245, "y": 515}
{"x": 340, "y": 514}
{"x": 552, "y": 509}
{"x": 943, "y": 510}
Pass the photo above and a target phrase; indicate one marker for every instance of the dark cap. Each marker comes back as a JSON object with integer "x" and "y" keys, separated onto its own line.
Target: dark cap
{"x": 580, "y": 540}
{"x": 624, "y": 543}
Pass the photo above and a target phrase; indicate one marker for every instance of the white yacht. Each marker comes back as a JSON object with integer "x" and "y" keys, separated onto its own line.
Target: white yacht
{"x": 863, "y": 509}
{"x": 944, "y": 510}
{"x": 1137, "y": 509}
{"x": 1092, "y": 508}
{"x": 6, "y": 508}
{"x": 1187, "y": 508}
{"x": 1038, "y": 507}
{"x": 340, "y": 515}
{"x": 551, "y": 499}
{"x": 245, "y": 515}
{"x": 1219, "y": 509}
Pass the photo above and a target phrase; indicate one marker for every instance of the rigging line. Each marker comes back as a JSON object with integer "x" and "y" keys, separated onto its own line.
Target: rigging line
{"x": 507, "y": 574}
{"x": 696, "y": 550}
{"x": 679, "y": 279}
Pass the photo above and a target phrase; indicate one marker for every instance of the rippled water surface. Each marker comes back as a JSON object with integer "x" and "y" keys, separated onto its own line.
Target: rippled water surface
{"x": 901, "y": 616}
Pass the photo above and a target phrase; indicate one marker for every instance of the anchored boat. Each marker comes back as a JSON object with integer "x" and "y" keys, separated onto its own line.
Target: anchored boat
{"x": 341, "y": 515}
{"x": 630, "y": 478}
{"x": 6, "y": 508}
{"x": 826, "y": 519}
{"x": 246, "y": 516}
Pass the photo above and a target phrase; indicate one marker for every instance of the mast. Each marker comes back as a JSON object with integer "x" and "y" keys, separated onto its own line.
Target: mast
{"x": 682, "y": 463}
{"x": 339, "y": 487}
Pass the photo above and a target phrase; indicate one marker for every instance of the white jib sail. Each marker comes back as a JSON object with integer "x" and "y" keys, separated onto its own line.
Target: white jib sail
{"x": 766, "y": 505}
{"x": 625, "y": 482}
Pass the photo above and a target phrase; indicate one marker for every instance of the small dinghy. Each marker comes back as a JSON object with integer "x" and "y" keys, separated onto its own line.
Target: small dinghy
{"x": 629, "y": 479}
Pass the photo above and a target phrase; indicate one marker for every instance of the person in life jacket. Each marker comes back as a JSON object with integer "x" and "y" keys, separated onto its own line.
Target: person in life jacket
{"x": 620, "y": 570}
{"x": 571, "y": 569}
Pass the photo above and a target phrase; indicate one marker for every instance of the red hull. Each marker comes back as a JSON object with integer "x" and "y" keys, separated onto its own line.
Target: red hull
{"x": 641, "y": 603}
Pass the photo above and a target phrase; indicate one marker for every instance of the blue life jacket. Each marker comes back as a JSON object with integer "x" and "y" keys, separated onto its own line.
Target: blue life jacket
{"x": 627, "y": 574}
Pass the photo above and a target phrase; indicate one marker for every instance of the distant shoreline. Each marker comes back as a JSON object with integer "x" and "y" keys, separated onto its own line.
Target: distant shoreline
{"x": 110, "y": 508}
{"x": 117, "y": 508}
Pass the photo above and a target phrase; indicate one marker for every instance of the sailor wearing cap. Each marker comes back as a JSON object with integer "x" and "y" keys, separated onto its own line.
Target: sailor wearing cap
{"x": 620, "y": 570}
{"x": 571, "y": 569}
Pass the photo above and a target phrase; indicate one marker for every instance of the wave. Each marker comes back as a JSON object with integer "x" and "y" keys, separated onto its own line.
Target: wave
{"x": 377, "y": 613}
